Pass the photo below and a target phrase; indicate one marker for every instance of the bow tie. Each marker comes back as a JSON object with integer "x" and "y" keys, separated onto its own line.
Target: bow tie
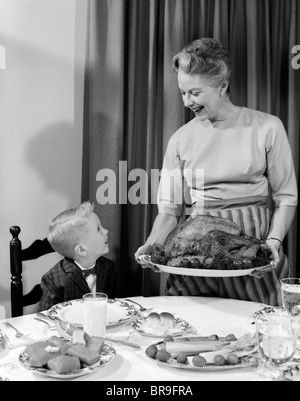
{"x": 87, "y": 272}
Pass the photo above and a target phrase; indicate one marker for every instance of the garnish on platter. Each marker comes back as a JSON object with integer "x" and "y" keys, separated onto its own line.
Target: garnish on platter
{"x": 61, "y": 358}
{"x": 161, "y": 324}
{"x": 209, "y": 353}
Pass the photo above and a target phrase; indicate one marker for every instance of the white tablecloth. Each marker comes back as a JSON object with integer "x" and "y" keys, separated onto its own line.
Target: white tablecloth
{"x": 207, "y": 315}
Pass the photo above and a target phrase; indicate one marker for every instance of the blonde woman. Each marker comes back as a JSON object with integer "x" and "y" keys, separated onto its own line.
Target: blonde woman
{"x": 242, "y": 153}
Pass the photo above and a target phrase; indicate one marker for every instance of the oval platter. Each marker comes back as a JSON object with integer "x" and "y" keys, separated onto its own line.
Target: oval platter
{"x": 172, "y": 363}
{"x": 184, "y": 271}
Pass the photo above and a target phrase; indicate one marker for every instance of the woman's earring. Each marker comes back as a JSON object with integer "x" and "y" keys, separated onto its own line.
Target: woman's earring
{"x": 220, "y": 93}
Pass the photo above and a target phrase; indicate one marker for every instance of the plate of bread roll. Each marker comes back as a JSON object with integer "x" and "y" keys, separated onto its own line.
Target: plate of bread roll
{"x": 162, "y": 324}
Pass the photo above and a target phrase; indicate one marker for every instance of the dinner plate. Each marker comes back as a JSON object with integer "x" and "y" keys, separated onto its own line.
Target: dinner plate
{"x": 108, "y": 353}
{"x": 184, "y": 271}
{"x": 118, "y": 312}
{"x": 292, "y": 371}
{"x": 172, "y": 363}
{"x": 272, "y": 310}
{"x": 181, "y": 327}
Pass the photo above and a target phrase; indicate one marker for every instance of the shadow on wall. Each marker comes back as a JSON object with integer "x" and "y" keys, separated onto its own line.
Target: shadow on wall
{"x": 55, "y": 155}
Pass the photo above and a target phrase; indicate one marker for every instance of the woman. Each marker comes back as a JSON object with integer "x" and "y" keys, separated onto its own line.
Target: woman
{"x": 242, "y": 153}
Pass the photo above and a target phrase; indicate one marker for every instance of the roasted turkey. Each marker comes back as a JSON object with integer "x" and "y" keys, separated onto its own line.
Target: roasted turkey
{"x": 184, "y": 239}
{"x": 214, "y": 242}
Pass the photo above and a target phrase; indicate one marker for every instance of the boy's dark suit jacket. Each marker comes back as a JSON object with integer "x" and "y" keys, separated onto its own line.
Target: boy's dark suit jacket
{"x": 65, "y": 282}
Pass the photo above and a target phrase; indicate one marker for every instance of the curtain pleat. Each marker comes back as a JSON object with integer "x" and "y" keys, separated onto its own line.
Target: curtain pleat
{"x": 293, "y": 126}
{"x": 132, "y": 104}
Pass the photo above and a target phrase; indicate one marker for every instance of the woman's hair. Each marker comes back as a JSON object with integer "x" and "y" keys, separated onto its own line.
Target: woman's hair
{"x": 206, "y": 57}
{"x": 65, "y": 230}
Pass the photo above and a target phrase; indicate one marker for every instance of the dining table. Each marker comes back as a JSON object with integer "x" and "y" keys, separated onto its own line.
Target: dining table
{"x": 207, "y": 316}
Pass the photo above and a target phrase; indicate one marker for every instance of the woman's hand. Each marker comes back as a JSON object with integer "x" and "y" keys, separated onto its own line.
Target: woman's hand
{"x": 145, "y": 249}
{"x": 260, "y": 273}
{"x": 274, "y": 246}
{"x": 162, "y": 226}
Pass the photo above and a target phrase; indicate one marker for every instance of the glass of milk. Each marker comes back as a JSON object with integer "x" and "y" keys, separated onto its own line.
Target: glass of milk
{"x": 94, "y": 314}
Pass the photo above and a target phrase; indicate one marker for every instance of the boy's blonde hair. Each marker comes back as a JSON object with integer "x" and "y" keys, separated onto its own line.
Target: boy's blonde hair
{"x": 65, "y": 230}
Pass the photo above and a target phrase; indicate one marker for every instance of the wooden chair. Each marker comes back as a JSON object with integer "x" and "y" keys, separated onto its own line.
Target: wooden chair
{"x": 18, "y": 255}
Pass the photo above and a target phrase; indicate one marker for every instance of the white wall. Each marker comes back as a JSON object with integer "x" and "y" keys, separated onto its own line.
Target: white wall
{"x": 41, "y": 109}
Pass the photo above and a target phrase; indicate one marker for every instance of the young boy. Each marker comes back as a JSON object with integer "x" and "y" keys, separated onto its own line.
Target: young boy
{"x": 77, "y": 234}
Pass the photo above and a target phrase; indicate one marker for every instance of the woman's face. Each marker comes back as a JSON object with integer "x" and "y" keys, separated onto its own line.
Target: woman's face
{"x": 202, "y": 99}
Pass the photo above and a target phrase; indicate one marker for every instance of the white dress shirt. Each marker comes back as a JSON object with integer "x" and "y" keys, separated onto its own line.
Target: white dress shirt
{"x": 91, "y": 279}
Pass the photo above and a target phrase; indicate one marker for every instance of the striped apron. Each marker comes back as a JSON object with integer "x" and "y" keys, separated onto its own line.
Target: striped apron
{"x": 254, "y": 219}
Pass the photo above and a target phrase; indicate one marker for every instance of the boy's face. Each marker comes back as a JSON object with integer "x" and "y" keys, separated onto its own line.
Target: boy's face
{"x": 95, "y": 238}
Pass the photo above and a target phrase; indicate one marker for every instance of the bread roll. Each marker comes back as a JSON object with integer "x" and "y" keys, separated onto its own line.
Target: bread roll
{"x": 95, "y": 344}
{"x": 86, "y": 355}
{"x": 167, "y": 320}
{"x": 65, "y": 347}
{"x": 41, "y": 358}
{"x": 64, "y": 364}
{"x": 152, "y": 320}
{"x": 57, "y": 341}
{"x": 35, "y": 347}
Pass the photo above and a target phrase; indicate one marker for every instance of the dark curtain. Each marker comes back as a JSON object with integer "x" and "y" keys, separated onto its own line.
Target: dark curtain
{"x": 132, "y": 104}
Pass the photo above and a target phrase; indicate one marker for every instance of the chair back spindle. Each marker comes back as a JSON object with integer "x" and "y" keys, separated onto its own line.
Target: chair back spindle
{"x": 16, "y": 286}
{"x": 17, "y": 255}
